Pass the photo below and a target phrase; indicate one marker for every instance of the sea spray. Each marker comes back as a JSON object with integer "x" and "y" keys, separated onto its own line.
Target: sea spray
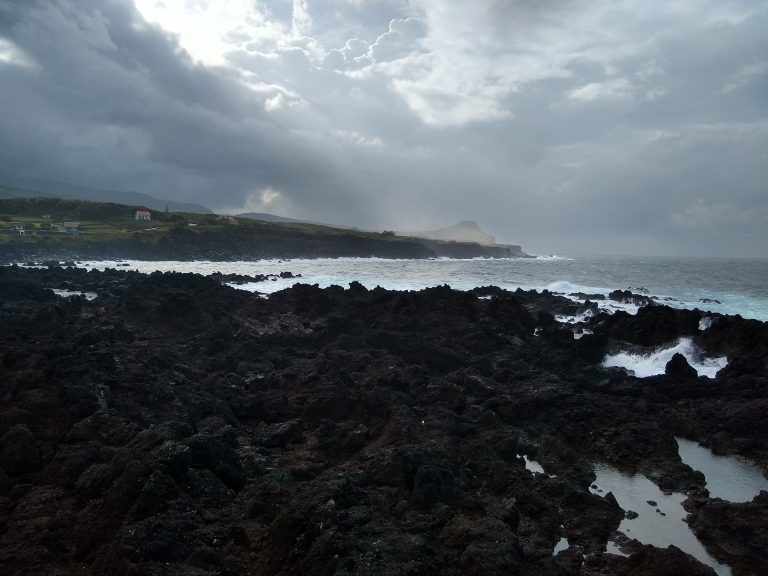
{"x": 653, "y": 363}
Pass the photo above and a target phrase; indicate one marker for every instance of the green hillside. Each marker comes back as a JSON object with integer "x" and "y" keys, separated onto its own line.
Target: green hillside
{"x": 39, "y": 228}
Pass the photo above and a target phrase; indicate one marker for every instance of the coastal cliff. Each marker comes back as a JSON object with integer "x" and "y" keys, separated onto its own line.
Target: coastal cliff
{"x": 34, "y": 229}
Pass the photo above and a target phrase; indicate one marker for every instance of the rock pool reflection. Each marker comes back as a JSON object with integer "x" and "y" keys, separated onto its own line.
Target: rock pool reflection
{"x": 727, "y": 477}
{"x": 659, "y": 524}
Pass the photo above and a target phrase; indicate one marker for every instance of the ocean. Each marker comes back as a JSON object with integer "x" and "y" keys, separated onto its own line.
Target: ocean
{"x": 723, "y": 285}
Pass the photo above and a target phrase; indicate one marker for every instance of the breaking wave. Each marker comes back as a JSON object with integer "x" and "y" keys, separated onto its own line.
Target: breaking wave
{"x": 552, "y": 257}
{"x": 652, "y": 364}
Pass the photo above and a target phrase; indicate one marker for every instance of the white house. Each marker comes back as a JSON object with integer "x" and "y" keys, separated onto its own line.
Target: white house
{"x": 69, "y": 228}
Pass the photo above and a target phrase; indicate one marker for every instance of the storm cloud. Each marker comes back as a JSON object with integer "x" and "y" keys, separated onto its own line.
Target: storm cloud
{"x": 610, "y": 127}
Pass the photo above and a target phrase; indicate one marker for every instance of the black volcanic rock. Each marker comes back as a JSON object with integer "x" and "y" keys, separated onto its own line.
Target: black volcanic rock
{"x": 653, "y": 325}
{"x": 736, "y": 533}
{"x": 628, "y": 297}
{"x": 19, "y": 451}
{"x": 13, "y": 290}
{"x": 648, "y": 561}
{"x": 734, "y": 335}
{"x": 678, "y": 367}
{"x": 740, "y": 364}
{"x": 174, "y": 425}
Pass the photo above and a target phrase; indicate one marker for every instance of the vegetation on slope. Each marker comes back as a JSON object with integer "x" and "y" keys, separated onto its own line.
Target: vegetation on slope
{"x": 108, "y": 230}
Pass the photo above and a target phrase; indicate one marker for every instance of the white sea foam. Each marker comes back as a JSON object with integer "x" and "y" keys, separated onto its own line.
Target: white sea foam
{"x": 64, "y": 293}
{"x": 552, "y": 257}
{"x": 576, "y": 319}
{"x": 653, "y": 363}
{"x": 580, "y": 335}
{"x": 706, "y": 322}
{"x": 566, "y": 287}
{"x": 612, "y": 306}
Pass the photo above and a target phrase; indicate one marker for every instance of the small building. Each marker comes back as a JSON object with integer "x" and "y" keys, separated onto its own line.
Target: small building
{"x": 69, "y": 228}
{"x": 19, "y": 228}
{"x": 229, "y": 219}
{"x": 47, "y": 217}
{"x": 143, "y": 215}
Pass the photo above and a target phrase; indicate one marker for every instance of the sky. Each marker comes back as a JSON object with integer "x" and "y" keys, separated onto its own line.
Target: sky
{"x": 570, "y": 126}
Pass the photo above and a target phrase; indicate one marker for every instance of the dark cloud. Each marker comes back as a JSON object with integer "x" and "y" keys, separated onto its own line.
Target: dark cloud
{"x": 112, "y": 102}
{"x": 614, "y": 127}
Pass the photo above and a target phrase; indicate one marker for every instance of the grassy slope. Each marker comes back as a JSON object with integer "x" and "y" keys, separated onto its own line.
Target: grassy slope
{"x": 104, "y": 222}
{"x": 74, "y": 192}
{"x": 111, "y": 229}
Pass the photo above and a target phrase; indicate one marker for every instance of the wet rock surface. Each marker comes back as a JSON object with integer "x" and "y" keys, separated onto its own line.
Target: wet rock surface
{"x": 177, "y": 426}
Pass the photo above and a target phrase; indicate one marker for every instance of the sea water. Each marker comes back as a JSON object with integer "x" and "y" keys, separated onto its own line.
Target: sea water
{"x": 726, "y": 286}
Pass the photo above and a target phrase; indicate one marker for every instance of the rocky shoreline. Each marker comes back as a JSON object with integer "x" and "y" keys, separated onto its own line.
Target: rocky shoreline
{"x": 174, "y": 425}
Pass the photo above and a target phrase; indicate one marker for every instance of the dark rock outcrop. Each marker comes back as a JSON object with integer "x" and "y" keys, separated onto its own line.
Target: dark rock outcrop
{"x": 679, "y": 368}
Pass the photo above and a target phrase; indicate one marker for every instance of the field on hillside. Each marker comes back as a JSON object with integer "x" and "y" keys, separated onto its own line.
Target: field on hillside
{"x": 43, "y": 228}
{"x": 106, "y": 221}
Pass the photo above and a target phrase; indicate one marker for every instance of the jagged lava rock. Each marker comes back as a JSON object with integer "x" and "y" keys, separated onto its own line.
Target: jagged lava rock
{"x": 177, "y": 426}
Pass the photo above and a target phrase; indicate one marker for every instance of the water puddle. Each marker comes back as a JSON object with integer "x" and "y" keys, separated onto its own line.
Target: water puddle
{"x": 63, "y": 293}
{"x": 612, "y": 548}
{"x": 653, "y": 363}
{"x": 728, "y": 477}
{"x": 561, "y": 546}
{"x": 660, "y": 517}
{"x": 532, "y": 466}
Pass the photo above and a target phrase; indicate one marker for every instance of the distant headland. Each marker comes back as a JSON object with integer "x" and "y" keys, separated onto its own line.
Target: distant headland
{"x": 35, "y": 228}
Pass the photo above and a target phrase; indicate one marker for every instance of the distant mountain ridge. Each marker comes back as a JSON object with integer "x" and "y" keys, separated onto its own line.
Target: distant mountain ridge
{"x": 10, "y": 188}
{"x": 264, "y": 217}
{"x": 108, "y": 231}
{"x": 464, "y": 231}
